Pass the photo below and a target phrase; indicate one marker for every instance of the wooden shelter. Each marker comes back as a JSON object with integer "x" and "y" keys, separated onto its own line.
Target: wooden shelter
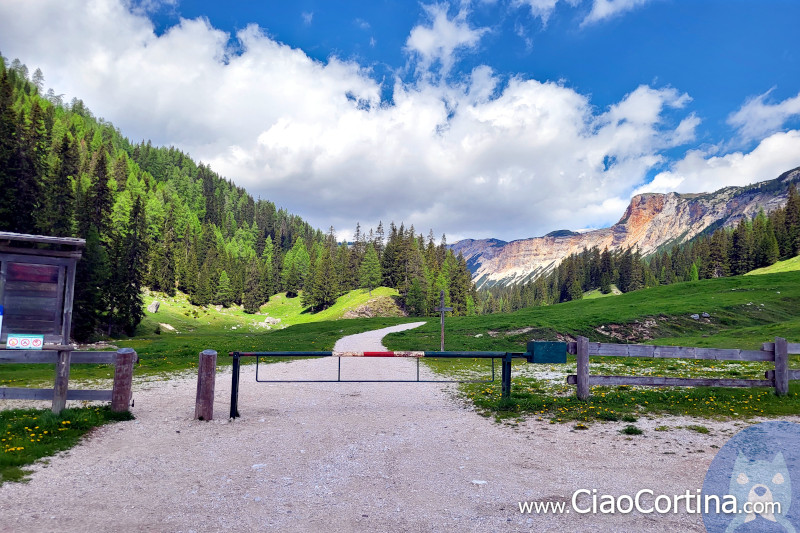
{"x": 37, "y": 282}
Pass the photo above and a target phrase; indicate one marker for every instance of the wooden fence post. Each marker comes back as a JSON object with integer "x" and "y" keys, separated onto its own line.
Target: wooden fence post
{"x": 123, "y": 379}
{"x": 582, "y": 357}
{"x": 206, "y": 377}
{"x": 781, "y": 367}
{"x": 62, "y": 381}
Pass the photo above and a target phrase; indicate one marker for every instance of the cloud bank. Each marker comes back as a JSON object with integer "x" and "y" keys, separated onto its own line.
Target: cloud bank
{"x": 482, "y": 156}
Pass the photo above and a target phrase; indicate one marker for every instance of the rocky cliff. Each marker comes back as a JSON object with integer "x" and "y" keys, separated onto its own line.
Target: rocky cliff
{"x": 650, "y": 222}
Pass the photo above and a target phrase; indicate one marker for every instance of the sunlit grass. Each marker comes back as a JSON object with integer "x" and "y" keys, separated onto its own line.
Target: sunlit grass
{"x": 27, "y": 435}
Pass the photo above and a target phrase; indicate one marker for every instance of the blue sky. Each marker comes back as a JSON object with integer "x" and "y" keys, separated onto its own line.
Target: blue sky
{"x": 502, "y": 118}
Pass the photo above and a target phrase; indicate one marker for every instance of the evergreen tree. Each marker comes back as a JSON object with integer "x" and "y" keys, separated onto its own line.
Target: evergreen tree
{"x": 370, "y": 274}
{"x": 323, "y": 290}
{"x": 59, "y": 199}
{"x": 8, "y": 149}
{"x": 741, "y": 249}
{"x": 224, "y": 294}
{"x": 128, "y": 306}
{"x": 266, "y": 278}
{"x": 792, "y": 220}
{"x": 91, "y": 276}
{"x": 416, "y": 301}
{"x": 251, "y": 299}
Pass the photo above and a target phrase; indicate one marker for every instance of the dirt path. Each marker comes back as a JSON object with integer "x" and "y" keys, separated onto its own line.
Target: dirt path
{"x": 334, "y": 457}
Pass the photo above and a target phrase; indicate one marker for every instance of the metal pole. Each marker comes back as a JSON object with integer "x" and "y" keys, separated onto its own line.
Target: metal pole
{"x": 506, "y": 376}
{"x": 235, "y": 386}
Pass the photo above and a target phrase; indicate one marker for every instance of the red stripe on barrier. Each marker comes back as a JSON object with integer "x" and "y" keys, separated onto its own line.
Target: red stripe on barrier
{"x": 379, "y": 354}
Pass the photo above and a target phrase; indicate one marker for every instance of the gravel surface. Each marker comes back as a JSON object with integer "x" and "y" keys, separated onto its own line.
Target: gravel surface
{"x": 331, "y": 457}
{"x": 371, "y": 341}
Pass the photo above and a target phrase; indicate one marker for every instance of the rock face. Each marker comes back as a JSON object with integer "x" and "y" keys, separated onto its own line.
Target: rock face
{"x": 650, "y": 222}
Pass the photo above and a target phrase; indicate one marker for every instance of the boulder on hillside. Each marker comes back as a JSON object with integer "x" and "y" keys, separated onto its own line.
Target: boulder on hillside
{"x": 153, "y": 307}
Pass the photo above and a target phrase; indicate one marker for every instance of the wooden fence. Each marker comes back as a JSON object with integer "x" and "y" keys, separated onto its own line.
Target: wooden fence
{"x": 63, "y": 357}
{"x": 777, "y": 351}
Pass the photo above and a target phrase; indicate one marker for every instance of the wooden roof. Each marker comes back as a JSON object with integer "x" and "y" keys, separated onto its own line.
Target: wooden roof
{"x": 6, "y": 237}
{"x": 41, "y": 245}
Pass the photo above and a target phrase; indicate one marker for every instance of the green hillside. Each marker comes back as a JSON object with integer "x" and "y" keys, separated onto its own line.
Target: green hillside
{"x": 176, "y": 315}
{"x": 790, "y": 265}
{"x": 744, "y": 312}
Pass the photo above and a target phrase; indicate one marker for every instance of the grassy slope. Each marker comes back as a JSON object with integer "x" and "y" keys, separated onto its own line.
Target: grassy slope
{"x": 745, "y": 311}
{"x": 590, "y": 295}
{"x": 790, "y": 265}
{"x": 186, "y": 318}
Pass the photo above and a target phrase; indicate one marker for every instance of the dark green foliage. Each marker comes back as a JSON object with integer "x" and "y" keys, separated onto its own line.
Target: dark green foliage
{"x": 323, "y": 287}
{"x": 91, "y": 278}
{"x": 416, "y": 303}
{"x": 253, "y": 295}
{"x": 8, "y": 147}
{"x": 370, "y": 269}
{"x": 224, "y": 294}
{"x": 128, "y": 274}
{"x": 56, "y": 217}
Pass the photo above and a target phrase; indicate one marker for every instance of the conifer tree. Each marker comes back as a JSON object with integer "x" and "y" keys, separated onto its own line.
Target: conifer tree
{"x": 370, "y": 274}
{"x": 266, "y": 278}
{"x": 128, "y": 306}
{"x": 223, "y": 295}
{"x": 8, "y": 149}
{"x": 59, "y": 199}
{"x": 251, "y": 299}
{"x": 91, "y": 276}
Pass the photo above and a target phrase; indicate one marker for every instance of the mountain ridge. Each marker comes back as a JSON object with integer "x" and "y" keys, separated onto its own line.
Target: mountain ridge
{"x": 651, "y": 222}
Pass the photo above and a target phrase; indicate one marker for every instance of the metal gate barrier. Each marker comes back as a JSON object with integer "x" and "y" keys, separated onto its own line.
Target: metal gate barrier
{"x": 538, "y": 352}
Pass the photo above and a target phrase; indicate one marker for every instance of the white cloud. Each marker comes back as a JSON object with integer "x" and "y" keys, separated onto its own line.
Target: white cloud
{"x": 307, "y": 16}
{"x": 757, "y": 118}
{"x": 442, "y": 38}
{"x": 601, "y": 9}
{"x": 482, "y": 157}
{"x": 542, "y": 9}
{"x": 605, "y": 9}
{"x": 700, "y": 171}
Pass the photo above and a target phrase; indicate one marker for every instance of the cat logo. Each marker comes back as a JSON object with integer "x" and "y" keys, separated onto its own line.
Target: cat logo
{"x": 755, "y": 468}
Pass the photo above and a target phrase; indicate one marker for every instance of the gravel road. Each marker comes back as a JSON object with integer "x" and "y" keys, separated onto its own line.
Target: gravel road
{"x": 331, "y": 457}
{"x": 371, "y": 341}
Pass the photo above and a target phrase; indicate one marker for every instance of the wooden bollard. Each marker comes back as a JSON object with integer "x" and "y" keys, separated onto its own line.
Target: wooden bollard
{"x": 62, "y": 381}
{"x": 123, "y": 380}
{"x": 582, "y": 358}
{"x": 206, "y": 377}
{"x": 781, "y": 367}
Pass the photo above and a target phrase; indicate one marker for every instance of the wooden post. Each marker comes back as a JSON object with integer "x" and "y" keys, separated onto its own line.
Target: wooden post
{"x": 442, "y": 309}
{"x": 582, "y": 357}
{"x": 206, "y": 377}
{"x": 781, "y": 367}
{"x": 62, "y": 381}
{"x": 123, "y": 379}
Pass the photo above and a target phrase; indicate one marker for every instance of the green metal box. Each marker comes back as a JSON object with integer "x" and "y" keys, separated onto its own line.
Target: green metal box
{"x": 547, "y": 352}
